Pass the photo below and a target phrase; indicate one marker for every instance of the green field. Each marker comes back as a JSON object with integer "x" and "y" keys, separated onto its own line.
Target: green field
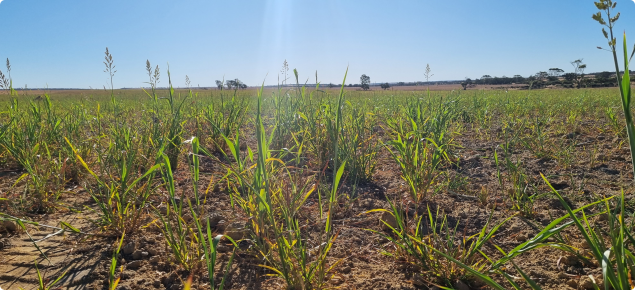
{"x": 305, "y": 188}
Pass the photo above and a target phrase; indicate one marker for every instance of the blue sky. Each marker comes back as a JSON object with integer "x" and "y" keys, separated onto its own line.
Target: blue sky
{"x": 61, "y": 43}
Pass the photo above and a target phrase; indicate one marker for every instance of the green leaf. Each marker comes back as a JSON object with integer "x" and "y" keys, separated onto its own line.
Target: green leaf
{"x": 72, "y": 228}
{"x": 338, "y": 177}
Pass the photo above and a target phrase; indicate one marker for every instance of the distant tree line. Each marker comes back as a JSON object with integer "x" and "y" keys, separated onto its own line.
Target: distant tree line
{"x": 551, "y": 77}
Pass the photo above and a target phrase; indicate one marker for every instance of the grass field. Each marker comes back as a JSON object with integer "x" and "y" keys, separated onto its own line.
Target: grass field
{"x": 312, "y": 188}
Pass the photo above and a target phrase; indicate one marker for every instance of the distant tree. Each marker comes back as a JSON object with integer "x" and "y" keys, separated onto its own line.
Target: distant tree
{"x": 537, "y": 80}
{"x": 604, "y": 79}
{"x": 330, "y": 85}
{"x": 486, "y": 79}
{"x": 230, "y": 84}
{"x": 401, "y": 84}
{"x": 467, "y": 83}
{"x": 604, "y": 75}
{"x": 219, "y": 84}
{"x": 239, "y": 84}
{"x": 385, "y": 86}
{"x": 364, "y": 81}
{"x": 235, "y": 84}
{"x": 541, "y": 76}
{"x": 555, "y": 72}
{"x": 570, "y": 77}
{"x": 578, "y": 70}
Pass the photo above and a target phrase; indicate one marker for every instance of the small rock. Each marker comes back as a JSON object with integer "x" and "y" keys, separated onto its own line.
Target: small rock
{"x": 236, "y": 231}
{"x": 522, "y": 237}
{"x": 570, "y": 260}
{"x": 136, "y": 255}
{"x": 10, "y": 226}
{"x": 134, "y": 264}
{"x": 235, "y": 234}
{"x": 460, "y": 285}
{"x": 573, "y": 284}
{"x": 129, "y": 248}
{"x": 603, "y": 217}
{"x": 156, "y": 283}
{"x": 346, "y": 270}
{"x": 586, "y": 283}
{"x": 155, "y": 259}
{"x": 144, "y": 255}
{"x": 386, "y": 220}
{"x": 152, "y": 251}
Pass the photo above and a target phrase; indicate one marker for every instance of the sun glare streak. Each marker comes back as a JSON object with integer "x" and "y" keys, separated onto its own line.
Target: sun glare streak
{"x": 274, "y": 34}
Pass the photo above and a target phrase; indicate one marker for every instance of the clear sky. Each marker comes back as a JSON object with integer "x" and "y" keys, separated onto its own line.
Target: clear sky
{"x": 61, "y": 43}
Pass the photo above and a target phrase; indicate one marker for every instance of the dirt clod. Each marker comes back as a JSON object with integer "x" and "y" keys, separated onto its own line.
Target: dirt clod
{"x": 10, "y": 226}
{"x": 522, "y": 237}
{"x": 129, "y": 248}
{"x": 138, "y": 255}
{"x": 235, "y": 231}
{"x": 386, "y": 220}
{"x": 135, "y": 264}
{"x": 586, "y": 283}
{"x": 572, "y": 283}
